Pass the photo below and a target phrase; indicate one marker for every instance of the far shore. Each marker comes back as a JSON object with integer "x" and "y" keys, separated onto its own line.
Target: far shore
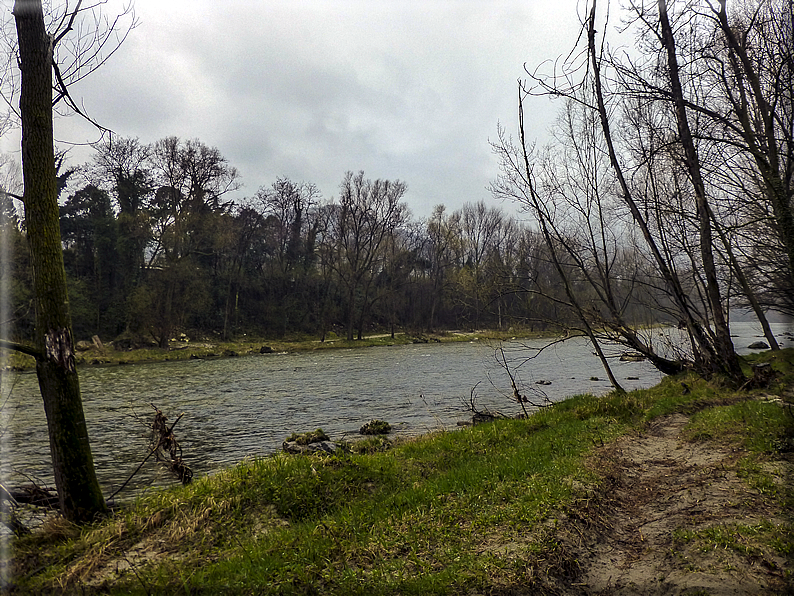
{"x": 106, "y": 354}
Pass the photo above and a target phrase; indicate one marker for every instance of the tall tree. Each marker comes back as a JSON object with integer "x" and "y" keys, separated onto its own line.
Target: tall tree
{"x": 480, "y": 228}
{"x": 722, "y": 342}
{"x": 287, "y": 209}
{"x": 187, "y": 213}
{"x": 121, "y": 167}
{"x": 75, "y": 478}
{"x": 369, "y": 213}
{"x": 750, "y": 77}
{"x": 444, "y": 242}
{"x": 89, "y": 231}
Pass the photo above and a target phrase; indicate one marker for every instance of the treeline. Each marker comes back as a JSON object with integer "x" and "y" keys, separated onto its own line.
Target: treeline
{"x": 153, "y": 248}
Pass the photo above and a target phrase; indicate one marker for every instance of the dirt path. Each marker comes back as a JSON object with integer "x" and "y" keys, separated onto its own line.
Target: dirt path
{"x": 662, "y": 485}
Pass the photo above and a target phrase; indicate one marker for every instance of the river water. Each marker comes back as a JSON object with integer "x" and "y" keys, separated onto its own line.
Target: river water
{"x": 243, "y": 407}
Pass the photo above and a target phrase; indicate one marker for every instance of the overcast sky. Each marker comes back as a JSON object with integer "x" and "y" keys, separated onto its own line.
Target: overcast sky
{"x": 311, "y": 89}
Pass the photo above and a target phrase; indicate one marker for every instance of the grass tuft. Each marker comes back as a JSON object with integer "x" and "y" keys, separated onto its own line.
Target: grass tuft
{"x": 307, "y": 438}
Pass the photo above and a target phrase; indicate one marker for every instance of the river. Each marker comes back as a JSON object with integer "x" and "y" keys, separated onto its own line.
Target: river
{"x": 244, "y": 407}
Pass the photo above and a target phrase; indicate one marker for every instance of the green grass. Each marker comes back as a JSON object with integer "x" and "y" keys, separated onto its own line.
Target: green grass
{"x": 758, "y": 426}
{"x": 745, "y": 539}
{"x": 448, "y": 513}
{"x": 760, "y": 430}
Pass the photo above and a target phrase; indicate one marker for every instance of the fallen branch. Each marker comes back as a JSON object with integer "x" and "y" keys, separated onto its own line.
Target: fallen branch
{"x": 165, "y": 440}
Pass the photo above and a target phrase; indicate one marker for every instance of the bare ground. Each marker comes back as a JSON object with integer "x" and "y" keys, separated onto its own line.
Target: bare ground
{"x": 624, "y": 540}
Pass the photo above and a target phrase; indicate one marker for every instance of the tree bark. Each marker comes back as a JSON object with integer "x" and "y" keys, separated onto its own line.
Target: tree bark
{"x": 75, "y": 478}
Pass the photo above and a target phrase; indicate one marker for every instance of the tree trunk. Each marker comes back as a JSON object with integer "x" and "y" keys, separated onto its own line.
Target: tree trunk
{"x": 166, "y": 326}
{"x": 702, "y": 345}
{"x": 729, "y": 361}
{"x": 351, "y": 312}
{"x": 78, "y": 489}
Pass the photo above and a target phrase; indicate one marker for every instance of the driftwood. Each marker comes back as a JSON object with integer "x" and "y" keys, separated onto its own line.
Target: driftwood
{"x": 162, "y": 441}
{"x": 162, "y": 445}
{"x": 165, "y": 447}
{"x": 31, "y": 494}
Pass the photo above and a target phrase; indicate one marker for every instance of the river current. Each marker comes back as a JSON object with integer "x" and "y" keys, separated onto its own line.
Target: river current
{"x": 245, "y": 407}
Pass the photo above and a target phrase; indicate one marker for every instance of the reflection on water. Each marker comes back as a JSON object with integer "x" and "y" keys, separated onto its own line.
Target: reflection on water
{"x": 240, "y": 407}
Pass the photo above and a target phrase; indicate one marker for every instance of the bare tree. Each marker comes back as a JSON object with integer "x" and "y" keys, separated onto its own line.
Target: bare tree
{"x": 664, "y": 129}
{"x": 288, "y": 204}
{"x": 737, "y": 85}
{"x": 369, "y": 213}
{"x": 750, "y": 53}
{"x": 518, "y": 183}
{"x": 723, "y": 344}
{"x": 481, "y": 229}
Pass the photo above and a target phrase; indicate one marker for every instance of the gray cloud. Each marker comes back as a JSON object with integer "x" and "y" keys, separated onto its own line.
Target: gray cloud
{"x": 310, "y": 89}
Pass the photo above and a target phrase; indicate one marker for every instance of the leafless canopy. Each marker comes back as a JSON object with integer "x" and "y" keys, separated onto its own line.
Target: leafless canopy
{"x": 84, "y": 36}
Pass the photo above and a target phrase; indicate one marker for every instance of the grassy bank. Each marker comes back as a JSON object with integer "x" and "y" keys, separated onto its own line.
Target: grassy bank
{"x": 477, "y": 510}
{"x": 212, "y": 348}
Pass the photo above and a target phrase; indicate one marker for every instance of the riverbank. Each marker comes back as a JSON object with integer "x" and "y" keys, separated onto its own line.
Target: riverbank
{"x": 682, "y": 488}
{"x": 99, "y": 354}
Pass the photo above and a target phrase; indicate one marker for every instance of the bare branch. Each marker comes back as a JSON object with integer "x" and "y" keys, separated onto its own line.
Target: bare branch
{"x": 22, "y": 348}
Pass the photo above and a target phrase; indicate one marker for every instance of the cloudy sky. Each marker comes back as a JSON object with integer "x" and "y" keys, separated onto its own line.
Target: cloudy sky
{"x": 309, "y": 89}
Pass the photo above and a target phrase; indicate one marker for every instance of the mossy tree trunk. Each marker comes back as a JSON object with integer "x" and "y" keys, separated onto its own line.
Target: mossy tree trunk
{"x": 75, "y": 478}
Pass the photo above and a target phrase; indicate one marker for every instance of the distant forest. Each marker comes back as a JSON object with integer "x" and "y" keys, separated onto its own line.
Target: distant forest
{"x": 154, "y": 249}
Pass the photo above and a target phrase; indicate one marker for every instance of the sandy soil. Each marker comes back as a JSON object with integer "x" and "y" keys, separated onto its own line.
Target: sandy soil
{"x": 624, "y": 542}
